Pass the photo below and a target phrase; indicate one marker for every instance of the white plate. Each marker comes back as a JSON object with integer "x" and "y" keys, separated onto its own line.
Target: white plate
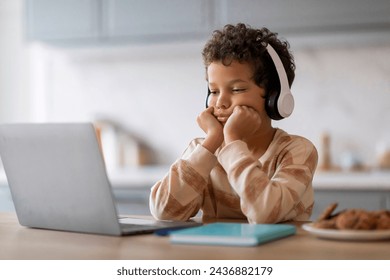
{"x": 347, "y": 234}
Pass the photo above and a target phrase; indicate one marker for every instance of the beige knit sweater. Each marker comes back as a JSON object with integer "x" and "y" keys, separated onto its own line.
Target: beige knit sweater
{"x": 232, "y": 184}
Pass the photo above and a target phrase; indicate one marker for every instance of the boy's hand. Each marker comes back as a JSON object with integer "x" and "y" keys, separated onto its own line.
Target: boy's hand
{"x": 212, "y": 127}
{"x": 243, "y": 122}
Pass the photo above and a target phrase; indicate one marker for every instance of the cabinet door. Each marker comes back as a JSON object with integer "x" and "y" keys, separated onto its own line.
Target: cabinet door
{"x": 156, "y": 19}
{"x": 307, "y": 16}
{"x": 62, "y": 19}
{"x": 368, "y": 200}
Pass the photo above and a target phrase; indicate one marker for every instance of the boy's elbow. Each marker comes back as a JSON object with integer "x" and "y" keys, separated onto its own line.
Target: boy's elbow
{"x": 157, "y": 205}
{"x": 160, "y": 211}
{"x": 158, "y": 214}
{"x": 166, "y": 216}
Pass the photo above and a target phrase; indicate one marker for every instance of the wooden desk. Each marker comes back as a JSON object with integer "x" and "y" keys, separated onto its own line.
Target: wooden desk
{"x": 17, "y": 242}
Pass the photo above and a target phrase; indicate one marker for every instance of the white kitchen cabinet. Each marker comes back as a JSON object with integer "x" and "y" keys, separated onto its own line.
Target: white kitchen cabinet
{"x": 308, "y": 16}
{"x": 363, "y": 199}
{"x": 112, "y": 20}
{"x": 366, "y": 190}
{"x": 62, "y": 19}
{"x": 6, "y": 204}
{"x": 155, "y": 20}
{"x": 134, "y": 201}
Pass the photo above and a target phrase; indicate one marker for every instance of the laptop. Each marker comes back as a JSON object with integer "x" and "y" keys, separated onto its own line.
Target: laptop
{"x": 58, "y": 181}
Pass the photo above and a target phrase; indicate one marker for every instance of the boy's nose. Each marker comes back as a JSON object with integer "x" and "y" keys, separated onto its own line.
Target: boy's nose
{"x": 223, "y": 101}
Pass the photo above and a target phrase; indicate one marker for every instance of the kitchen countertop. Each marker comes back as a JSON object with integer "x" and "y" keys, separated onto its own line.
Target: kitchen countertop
{"x": 135, "y": 177}
{"x": 369, "y": 180}
{"x": 146, "y": 176}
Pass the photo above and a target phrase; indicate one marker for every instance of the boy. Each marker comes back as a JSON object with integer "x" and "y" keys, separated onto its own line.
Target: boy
{"x": 244, "y": 168}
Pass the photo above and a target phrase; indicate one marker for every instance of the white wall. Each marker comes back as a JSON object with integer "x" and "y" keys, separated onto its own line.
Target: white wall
{"x": 157, "y": 92}
{"x": 345, "y": 91}
{"x": 14, "y": 64}
{"x": 154, "y": 91}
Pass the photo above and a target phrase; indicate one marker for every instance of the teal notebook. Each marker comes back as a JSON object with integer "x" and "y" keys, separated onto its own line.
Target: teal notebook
{"x": 232, "y": 234}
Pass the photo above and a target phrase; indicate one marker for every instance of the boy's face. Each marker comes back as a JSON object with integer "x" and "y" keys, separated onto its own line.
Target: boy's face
{"x": 232, "y": 86}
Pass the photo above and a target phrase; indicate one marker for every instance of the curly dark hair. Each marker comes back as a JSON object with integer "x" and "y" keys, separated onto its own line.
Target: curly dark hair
{"x": 244, "y": 44}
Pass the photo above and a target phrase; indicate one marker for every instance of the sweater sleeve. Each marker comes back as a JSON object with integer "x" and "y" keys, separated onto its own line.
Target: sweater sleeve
{"x": 284, "y": 196}
{"x": 179, "y": 195}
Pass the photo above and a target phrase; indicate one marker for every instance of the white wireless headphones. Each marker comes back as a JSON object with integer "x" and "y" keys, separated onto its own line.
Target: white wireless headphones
{"x": 279, "y": 105}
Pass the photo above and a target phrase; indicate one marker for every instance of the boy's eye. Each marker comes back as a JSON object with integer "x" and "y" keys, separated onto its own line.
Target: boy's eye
{"x": 238, "y": 90}
{"x": 213, "y": 91}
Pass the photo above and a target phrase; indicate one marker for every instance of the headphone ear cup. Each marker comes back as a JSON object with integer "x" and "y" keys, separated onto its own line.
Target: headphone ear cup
{"x": 207, "y": 98}
{"x": 271, "y": 106}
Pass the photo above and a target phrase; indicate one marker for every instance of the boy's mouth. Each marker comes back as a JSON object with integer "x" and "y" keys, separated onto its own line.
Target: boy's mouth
{"x": 222, "y": 118}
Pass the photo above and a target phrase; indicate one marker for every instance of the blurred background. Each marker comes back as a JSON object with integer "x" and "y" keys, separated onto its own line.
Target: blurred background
{"x": 134, "y": 68}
